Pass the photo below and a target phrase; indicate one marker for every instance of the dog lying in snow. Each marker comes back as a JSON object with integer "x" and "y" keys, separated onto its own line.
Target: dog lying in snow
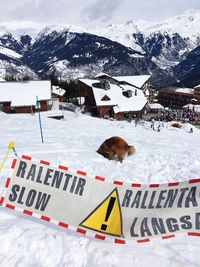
{"x": 115, "y": 146}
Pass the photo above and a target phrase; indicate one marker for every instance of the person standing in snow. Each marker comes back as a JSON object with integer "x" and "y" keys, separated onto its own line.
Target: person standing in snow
{"x": 152, "y": 124}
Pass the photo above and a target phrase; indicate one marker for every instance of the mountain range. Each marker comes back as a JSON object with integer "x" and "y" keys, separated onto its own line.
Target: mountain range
{"x": 168, "y": 50}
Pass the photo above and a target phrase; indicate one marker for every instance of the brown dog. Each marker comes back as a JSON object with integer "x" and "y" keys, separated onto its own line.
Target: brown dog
{"x": 115, "y": 146}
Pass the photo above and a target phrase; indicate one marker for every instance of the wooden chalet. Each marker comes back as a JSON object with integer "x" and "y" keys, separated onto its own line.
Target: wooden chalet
{"x": 20, "y": 97}
{"x": 58, "y": 93}
{"x": 175, "y": 97}
{"x": 115, "y": 97}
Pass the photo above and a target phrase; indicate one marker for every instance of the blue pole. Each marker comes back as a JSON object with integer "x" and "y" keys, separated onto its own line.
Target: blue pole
{"x": 40, "y": 123}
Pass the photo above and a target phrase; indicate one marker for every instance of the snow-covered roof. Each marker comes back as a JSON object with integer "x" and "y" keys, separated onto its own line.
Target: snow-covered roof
{"x": 102, "y": 74}
{"x": 181, "y": 90}
{"x": 155, "y": 106}
{"x": 185, "y": 90}
{"x": 24, "y": 93}
{"x": 120, "y": 102}
{"x": 58, "y": 91}
{"x": 114, "y": 97}
{"x": 137, "y": 80}
{"x": 192, "y": 107}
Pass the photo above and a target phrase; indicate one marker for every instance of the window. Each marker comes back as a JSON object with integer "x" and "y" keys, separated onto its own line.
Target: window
{"x": 128, "y": 93}
{"x": 105, "y": 98}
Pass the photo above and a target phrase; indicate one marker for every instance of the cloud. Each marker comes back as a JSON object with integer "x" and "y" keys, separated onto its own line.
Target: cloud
{"x": 102, "y": 10}
{"x": 95, "y": 12}
{"x": 42, "y": 11}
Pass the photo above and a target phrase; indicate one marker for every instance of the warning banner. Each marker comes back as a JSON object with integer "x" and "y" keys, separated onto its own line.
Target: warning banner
{"x": 105, "y": 210}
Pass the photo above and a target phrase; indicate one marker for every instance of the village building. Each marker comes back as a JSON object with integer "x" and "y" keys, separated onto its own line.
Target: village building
{"x": 154, "y": 107}
{"x": 58, "y": 92}
{"x": 57, "y": 97}
{"x": 21, "y": 97}
{"x": 115, "y": 97}
{"x": 176, "y": 98}
{"x": 138, "y": 81}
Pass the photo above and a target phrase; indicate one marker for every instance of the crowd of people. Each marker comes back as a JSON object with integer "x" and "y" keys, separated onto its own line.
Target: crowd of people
{"x": 183, "y": 115}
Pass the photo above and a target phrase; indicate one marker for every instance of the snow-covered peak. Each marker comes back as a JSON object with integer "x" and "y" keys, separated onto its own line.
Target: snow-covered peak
{"x": 60, "y": 28}
{"x": 189, "y": 14}
{"x": 18, "y": 28}
{"x": 186, "y": 25}
{"x": 122, "y": 33}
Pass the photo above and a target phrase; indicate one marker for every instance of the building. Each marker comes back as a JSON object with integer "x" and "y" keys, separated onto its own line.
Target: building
{"x": 175, "y": 97}
{"x": 115, "y": 97}
{"x": 20, "y": 97}
{"x": 58, "y": 92}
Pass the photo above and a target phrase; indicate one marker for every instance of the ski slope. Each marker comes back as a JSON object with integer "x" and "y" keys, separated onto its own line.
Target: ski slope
{"x": 166, "y": 156}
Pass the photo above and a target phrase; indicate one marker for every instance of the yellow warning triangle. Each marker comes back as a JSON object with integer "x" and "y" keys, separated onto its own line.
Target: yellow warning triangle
{"x": 106, "y": 217}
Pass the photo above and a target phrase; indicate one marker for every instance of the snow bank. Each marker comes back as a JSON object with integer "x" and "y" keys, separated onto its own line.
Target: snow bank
{"x": 161, "y": 157}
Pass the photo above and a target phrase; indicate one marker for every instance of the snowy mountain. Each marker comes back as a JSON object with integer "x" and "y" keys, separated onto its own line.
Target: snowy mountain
{"x": 166, "y": 42}
{"x": 79, "y": 54}
{"x": 188, "y": 71}
{"x": 132, "y": 48}
{"x": 11, "y": 51}
{"x": 18, "y": 28}
{"x": 163, "y": 49}
{"x": 186, "y": 25}
{"x": 122, "y": 34}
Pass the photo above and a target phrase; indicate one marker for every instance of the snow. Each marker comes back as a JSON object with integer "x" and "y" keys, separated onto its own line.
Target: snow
{"x": 60, "y": 66}
{"x": 163, "y": 63}
{"x": 59, "y": 29}
{"x": 155, "y": 106}
{"x": 136, "y": 80}
{"x": 24, "y": 93}
{"x": 9, "y": 52}
{"x": 182, "y": 90}
{"x": 54, "y": 112}
{"x": 99, "y": 75}
{"x": 19, "y": 71}
{"x": 185, "y": 90}
{"x": 122, "y": 33}
{"x": 185, "y": 24}
{"x": 58, "y": 91}
{"x": 160, "y": 157}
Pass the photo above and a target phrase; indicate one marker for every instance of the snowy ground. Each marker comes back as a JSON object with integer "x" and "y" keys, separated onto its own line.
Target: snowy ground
{"x": 169, "y": 155}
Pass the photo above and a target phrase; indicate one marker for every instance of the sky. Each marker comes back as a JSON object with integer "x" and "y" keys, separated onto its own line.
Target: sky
{"x": 87, "y": 13}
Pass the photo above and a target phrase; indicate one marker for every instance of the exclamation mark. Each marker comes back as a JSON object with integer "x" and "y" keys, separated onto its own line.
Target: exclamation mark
{"x": 109, "y": 210}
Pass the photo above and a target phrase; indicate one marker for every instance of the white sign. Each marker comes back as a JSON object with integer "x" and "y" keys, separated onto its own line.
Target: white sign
{"x": 90, "y": 205}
